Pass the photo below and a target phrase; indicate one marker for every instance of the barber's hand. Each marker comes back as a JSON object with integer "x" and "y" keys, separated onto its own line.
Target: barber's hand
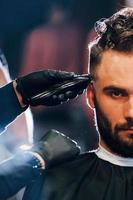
{"x": 36, "y": 83}
{"x": 56, "y": 148}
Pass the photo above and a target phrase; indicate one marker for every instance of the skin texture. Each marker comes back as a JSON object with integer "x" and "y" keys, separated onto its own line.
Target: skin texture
{"x": 111, "y": 96}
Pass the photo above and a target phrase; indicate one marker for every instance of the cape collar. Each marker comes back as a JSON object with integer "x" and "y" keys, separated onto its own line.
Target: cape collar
{"x": 112, "y": 158}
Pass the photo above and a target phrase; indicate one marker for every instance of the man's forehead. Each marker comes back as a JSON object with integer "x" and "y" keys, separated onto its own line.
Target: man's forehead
{"x": 114, "y": 64}
{"x": 116, "y": 68}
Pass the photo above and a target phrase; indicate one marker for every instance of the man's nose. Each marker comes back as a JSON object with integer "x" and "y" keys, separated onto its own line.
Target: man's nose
{"x": 129, "y": 108}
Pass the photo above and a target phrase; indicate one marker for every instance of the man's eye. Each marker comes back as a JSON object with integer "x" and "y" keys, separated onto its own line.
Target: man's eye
{"x": 117, "y": 94}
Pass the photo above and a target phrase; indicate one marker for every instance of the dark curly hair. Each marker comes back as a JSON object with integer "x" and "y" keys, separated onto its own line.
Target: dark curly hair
{"x": 114, "y": 33}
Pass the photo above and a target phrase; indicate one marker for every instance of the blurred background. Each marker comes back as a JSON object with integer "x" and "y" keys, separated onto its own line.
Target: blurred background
{"x": 53, "y": 34}
{"x": 50, "y": 34}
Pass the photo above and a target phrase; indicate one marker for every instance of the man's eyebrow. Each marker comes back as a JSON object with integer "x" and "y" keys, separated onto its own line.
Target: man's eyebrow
{"x": 109, "y": 88}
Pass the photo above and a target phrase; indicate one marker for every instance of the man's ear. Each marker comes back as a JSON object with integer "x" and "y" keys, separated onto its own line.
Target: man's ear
{"x": 90, "y": 96}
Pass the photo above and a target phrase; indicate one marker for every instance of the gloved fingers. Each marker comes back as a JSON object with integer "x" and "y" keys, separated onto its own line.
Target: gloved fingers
{"x": 64, "y": 97}
{"x": 56, "y": 99}
{"x": 68, "y": 95}
{"x": 73, "y": 94}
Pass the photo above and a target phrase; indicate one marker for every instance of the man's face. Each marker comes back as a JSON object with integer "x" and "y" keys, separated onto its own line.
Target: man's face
{"x": 112, "y": 97}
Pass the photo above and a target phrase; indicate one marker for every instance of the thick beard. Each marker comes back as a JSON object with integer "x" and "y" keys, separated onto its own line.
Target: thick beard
{"x": 110, "y": 138}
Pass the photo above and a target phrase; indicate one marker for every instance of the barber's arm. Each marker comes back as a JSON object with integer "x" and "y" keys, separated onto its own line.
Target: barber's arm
{"x": 19, "y": 135}
{"x": 10, "y": 107}
{"x": 53, "y": 149}
{"x": 16, "y": 96}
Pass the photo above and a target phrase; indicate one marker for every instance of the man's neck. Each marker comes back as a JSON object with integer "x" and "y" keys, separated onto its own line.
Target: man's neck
{"x": 106, "y": 154}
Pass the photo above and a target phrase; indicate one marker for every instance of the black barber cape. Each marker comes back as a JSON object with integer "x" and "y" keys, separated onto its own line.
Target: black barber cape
{"x": 86, "y": 178}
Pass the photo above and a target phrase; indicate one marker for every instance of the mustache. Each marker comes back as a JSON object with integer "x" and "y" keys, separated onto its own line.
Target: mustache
{"x": 124, "y": 126}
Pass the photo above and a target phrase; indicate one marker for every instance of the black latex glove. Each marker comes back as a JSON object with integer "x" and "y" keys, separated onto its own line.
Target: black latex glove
{"x": 38, "y": 82}
{"x": 56, "y": 148}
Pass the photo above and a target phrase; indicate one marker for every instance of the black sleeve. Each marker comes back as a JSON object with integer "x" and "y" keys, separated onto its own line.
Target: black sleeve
{"x": 9, "y": 106}
{"x": 16, "y": 173}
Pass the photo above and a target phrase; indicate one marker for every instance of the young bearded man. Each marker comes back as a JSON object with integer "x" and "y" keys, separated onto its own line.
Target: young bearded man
{"x": 106, "y": 173}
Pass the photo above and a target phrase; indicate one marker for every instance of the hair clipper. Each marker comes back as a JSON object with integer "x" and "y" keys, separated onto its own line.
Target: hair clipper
{"x": 59, "y": 93}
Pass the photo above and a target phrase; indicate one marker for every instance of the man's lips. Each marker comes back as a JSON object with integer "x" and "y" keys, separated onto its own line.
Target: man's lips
{"x": 126, "y": 130}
